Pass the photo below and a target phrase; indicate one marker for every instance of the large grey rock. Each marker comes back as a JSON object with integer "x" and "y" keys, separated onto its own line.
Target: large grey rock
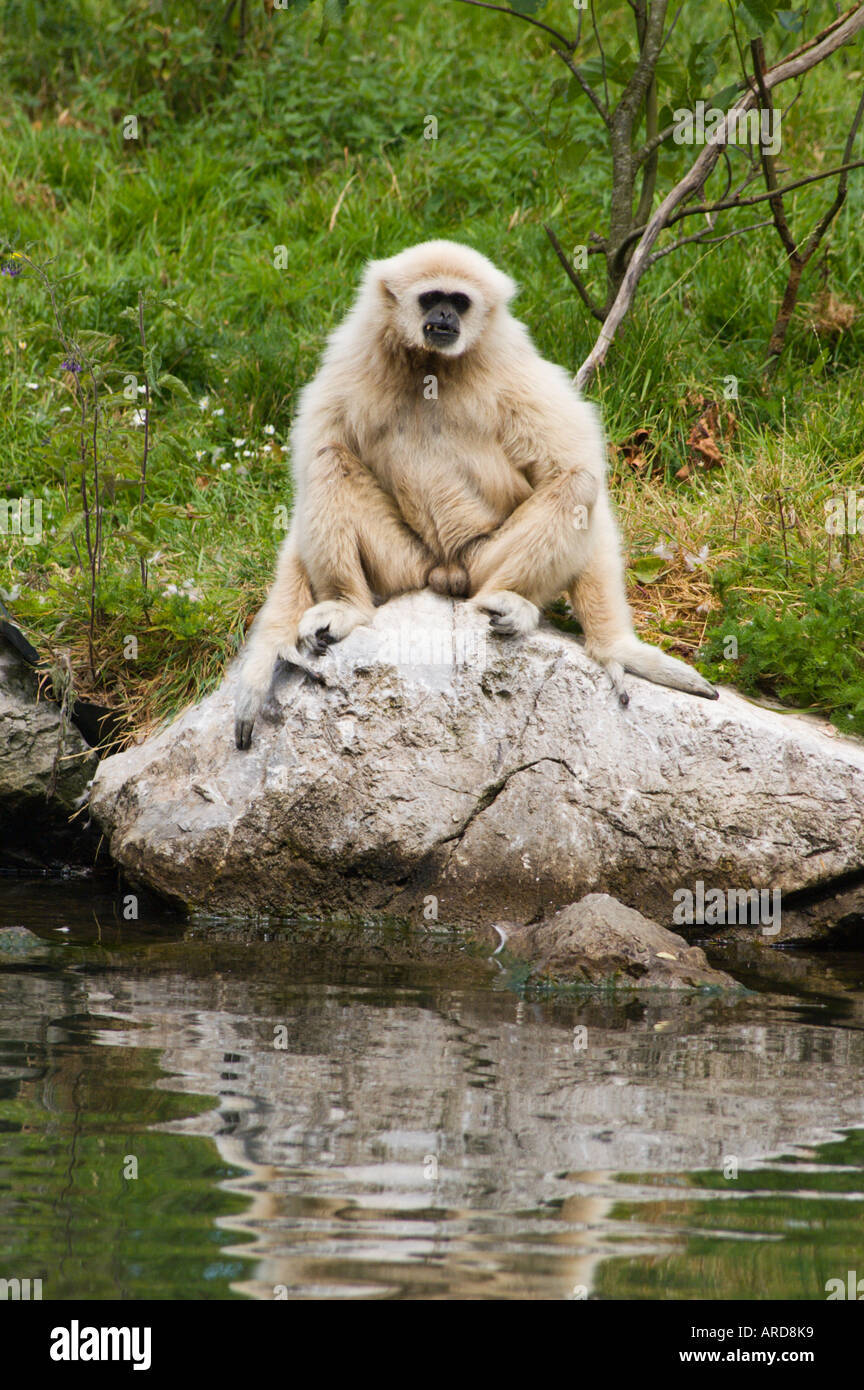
{"x": 45, "y": 772}
{"x": 600, "y": 941}
{"x": 500, "y": 785}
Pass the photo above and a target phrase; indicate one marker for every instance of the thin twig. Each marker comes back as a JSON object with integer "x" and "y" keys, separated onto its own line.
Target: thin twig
{"x": 146, "y": 453}
{"x": 518, "y": 14}
{"x": 583, "y": 292}
{"x": 592, "y": 96}
{"x": 701, "y": 239}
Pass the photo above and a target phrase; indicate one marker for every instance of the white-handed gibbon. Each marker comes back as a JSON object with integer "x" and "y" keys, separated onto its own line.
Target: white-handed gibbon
{"x": 436, "y": 447}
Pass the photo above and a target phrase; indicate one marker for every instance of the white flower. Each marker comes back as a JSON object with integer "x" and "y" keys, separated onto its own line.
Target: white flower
{"x": 226, "y": 467}
{"x": 238, "y": 443}
{"x": 32, "y": 385}
{"x": 170, "y": 591}
{"x": 266, "y": 448}
{"x": 664, "y": 550}
{"x": 142, "y": 390}
{"x": 65, "y": 409}
{"x": 10, "y": 595}
{"x": 247, "y": 454}
{"x": 692, "y": 561}
{"x": 204, "y": 402}
{"x": 200, "y": 454}
{"x": 139, "y": 417}
{"x": 269, "y": 429}
{"x": 220, "y": 411}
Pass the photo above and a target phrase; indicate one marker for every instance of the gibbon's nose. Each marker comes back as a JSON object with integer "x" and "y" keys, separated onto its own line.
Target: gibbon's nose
{"x": 441, "y": 326}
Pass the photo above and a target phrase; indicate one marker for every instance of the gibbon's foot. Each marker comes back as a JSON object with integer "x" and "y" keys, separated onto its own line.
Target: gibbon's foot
{"x": 510, "y": 615}
{"x": 326, "y": 623}
{"x": 256, "y": 677}
{"x": 449, "y": 579}
{"x": 651, "y": 664}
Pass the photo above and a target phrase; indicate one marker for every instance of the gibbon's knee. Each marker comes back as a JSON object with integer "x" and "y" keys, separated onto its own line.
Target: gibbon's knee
{"x": 542, "y": 546}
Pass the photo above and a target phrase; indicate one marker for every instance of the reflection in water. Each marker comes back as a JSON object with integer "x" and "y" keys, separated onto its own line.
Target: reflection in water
{"x": 339, "y": 1113}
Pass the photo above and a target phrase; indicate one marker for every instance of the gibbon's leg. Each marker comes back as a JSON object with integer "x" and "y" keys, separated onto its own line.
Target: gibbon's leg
{"x": 353, "y": 536}
{"x": 600, "y": 602}
{"x": 273, "y": 635}
{"x": 355, "y": 544}
{"x": 537, "y": 552}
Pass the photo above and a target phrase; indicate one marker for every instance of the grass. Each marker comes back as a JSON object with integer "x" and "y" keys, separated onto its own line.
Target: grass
{"x": 319, "y": 148}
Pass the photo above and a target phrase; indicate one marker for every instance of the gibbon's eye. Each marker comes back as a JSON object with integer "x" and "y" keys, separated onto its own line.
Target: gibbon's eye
{"x": 430, "y": 299}
{"x": 461, "y": 303}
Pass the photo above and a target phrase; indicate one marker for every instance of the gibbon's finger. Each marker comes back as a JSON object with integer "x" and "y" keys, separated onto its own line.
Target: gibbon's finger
{"x": 317, "y": 642}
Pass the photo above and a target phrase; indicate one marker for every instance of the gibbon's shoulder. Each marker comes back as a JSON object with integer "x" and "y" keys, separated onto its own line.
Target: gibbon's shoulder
{"x": 536, "y": 377}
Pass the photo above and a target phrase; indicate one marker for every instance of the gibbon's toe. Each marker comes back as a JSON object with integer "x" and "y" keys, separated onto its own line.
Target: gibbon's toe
{"x": 243, "y": 733}
{"x": 510, "y": 615}
{"x": 316, "y": 642}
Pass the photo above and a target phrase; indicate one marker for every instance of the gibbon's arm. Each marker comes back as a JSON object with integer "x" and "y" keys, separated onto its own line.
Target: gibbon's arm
{"x": 556, "y": 440}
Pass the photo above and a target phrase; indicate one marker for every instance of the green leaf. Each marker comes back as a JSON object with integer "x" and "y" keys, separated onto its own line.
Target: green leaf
{"x": 791, "y": 20}
{"x": 70, "y": 523}
{"x": 173, "y": 383}
{"x": 757, "y": 16}
{"x": 648, "y": 568}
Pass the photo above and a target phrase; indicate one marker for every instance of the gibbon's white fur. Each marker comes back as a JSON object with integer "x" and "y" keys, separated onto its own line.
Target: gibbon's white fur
{"x": 435, "y": 446}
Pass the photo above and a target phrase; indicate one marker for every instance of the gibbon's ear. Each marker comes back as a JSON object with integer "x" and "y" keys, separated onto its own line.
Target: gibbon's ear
{"x": 507, "y": 288}
{"x": 387, "y": 292}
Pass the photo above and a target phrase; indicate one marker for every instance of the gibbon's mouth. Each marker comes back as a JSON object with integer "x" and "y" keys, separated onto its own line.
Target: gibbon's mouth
{"x": 439, "y": 335}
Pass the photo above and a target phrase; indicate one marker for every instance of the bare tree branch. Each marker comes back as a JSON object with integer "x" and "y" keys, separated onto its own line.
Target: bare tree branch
{"x": 769, "y": 168}
{"x": 584, "y": 293}
{"x": 837, "y": 34}
{"x": 701, "y": 239}
{"x": 518, "y": 14}
{"x": 602, "y": 54}
{"x": 724, "y": 204}
{"x": 592, "y": 96}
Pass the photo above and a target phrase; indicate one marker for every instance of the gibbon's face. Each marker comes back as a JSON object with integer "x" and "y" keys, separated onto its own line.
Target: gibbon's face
{"x": 439, "y": 296}
{"x": 441, "y": 315}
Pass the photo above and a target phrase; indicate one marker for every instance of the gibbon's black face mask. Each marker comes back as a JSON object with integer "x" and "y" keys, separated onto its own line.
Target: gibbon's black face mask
{"x": 442, "y": 312}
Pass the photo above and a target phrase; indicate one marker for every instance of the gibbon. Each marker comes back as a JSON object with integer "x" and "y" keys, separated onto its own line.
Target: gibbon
{"x": 436, "y": 447}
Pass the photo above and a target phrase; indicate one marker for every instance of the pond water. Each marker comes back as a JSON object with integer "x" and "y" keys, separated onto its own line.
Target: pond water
{"x": 207, "y": 1111}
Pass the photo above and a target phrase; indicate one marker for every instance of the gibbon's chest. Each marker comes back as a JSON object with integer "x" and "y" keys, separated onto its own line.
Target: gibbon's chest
{"x": 434, "y": 441}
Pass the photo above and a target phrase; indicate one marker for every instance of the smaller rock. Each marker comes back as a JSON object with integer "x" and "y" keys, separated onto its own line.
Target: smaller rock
{"x": 20, "y": 941}
{"x": 600, "y": 941}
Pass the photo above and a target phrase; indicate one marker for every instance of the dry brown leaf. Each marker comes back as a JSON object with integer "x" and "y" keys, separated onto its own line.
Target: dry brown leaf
{"x": 829, "y": 314}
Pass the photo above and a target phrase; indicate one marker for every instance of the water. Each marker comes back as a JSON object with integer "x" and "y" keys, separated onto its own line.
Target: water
{"x": 366, "y": 1113}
